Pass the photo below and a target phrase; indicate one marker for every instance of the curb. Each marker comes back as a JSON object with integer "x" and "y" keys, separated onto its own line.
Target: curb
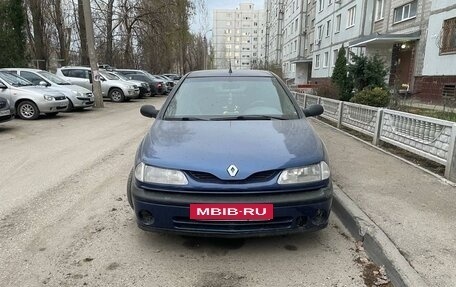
{"x": 376, "y": 243}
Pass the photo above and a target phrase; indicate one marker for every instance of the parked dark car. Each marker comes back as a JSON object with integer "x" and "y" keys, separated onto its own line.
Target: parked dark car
{"x": 231, "y": 155}
{"x": 173, "y": 77}
{"x": 6, "y": 110}
{"x": 157, "y": 87}
{"x": 168, "y": 82}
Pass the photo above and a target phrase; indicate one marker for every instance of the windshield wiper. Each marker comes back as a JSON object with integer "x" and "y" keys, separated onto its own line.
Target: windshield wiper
{"x": 63, "y": 84}
{"x": 249, "y": 117}
{"x": 185, "y": 119}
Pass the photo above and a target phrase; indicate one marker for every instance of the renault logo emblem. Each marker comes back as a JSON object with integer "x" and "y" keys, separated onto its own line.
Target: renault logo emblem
{"x": 232, "y": 170}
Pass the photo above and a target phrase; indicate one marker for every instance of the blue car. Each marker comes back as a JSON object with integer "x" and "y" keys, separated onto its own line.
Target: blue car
{"x": 231, "y": 154}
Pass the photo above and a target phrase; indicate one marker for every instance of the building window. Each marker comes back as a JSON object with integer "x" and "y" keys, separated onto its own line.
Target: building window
{"x": 320, "y": 32}
{"x": 405, "y": 12}
{"x": 379, "y": 9}
{"x": 328, "y": 27}
{"x": 338, "y": 21}
{"x": 321, "y": 3}
{"x": 317, "y": 61}
{"x": 295, "y": 45}
{"x": 335, "y": 54}
{"x": 326, "y": 59}
{"x": 448, "y": 44}
{"x": 296, "y": 24}
{"x": 351, "y": 17}
{"x": 311, "y": 47}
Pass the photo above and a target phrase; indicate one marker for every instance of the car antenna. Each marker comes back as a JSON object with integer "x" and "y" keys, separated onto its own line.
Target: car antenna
{"x": 230, "y": 70}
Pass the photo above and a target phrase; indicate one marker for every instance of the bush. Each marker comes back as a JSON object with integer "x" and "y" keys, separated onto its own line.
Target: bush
{"x": 367, "y": 72}
{"x": 376, "y": 97}
{"x": 340, "y": 78}
{"x": 327, "y": 90}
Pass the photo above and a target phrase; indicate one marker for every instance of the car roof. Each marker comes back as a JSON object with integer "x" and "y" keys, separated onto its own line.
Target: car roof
{"x": 22, "y": 69}
{"x": 225, "y": 73}
{"x": 75, "y": 67}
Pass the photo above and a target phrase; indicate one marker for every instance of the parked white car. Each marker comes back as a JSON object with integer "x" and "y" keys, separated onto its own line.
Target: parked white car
{"x": 116, "y": 90}
{"x": 78, "y": 96}
{"x": 28, "y": 100}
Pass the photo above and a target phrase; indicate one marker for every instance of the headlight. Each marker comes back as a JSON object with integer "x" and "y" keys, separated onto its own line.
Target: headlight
{"x": 151, "y": 174}
{"x": 311, "y": 173}
{"x": 89, "y": 95}
{"x": 131, "y": 87}
{"x": 75, "y": 92}
{"x": 49, "y": 98}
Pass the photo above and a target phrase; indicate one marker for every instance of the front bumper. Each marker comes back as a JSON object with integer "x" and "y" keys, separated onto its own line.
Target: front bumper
{"x": 293, "y": 212}
{"x": 6, "y": 115}
{"x": 82, "y": 102}
{"x": 132, "y": 93}
{"x": 52, "y": 106}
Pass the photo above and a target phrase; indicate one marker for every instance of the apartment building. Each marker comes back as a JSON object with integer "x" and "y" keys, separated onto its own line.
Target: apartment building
{"x": 337, "y": 23}
{"x": 274, "y": 29}
{"x": 235, "y": 35}
{"x": 437, "y": 81}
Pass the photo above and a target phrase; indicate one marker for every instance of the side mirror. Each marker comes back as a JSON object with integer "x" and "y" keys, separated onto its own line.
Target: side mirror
{"x": 43, "y": 84}
{"x": 149, "y": 111}
{"x": 313, "y": 110}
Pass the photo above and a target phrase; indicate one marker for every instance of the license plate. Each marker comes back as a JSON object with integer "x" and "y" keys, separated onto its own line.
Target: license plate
{"x": 232, "y": 211}
{"x": 5, "y": 113}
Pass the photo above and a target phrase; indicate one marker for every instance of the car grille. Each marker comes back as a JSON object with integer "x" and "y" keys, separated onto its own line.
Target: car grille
{"x": 187, "y": 224}
{"x": 59, "y": 98}
{"x": 210, "y": 178}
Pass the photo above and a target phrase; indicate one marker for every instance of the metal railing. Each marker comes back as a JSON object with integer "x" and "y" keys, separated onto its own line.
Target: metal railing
{"x": 428, "y": 137}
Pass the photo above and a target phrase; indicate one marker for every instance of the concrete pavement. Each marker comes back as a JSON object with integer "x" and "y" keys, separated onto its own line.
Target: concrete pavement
{"x": 414, "y": 209}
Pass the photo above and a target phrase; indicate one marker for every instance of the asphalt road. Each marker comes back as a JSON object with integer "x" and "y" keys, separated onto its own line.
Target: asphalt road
{"x": 65, "y": 220}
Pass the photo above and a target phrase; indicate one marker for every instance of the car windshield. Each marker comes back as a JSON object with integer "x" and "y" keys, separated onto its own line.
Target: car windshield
{"x": 151, "y": 76}
{"x": 53, "y": 78}
{"x": 15, "y": 80}
{"x": 108, "y": 76}
{"x": 119, "y": 76}
{"x": 230, "y": 98}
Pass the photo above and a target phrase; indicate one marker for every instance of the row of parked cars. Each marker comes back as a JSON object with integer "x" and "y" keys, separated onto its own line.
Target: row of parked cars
{"x": 28, "y": 93}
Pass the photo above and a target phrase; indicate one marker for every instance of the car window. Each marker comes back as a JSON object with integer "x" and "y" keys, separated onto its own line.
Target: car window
{"x": 76, "y": 73}
{"x": 138, "y": 77}
{"x": 108, "y": 76}
{"x": 217, "y": 97}
{"x": 32, "y": 77}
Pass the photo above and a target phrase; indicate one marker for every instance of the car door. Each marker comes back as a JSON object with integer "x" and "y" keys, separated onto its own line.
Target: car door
{"x": 5, "y": 92}
{"x": 78, "y": 77}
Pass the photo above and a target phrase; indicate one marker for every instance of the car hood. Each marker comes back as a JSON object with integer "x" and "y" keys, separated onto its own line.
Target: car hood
{"x": 41, "y": 90}
{"x": 212, "y": 146}
{"x": 78, "y": 89}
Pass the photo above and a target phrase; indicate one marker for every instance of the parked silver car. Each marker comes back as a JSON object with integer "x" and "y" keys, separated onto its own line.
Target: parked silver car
{"x": 6, "y": 110}
{"x": 116, "y": 90}
{"x": 144, "y": 88}
{"x": 29, "y": 100}
{"x": 78, "y": 96}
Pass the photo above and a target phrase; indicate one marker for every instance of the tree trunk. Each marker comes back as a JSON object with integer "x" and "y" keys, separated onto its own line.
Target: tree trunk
{"x": 38, "y": 34}
{"x": 108, "y": 55}
{"x": 83, "y": 35}
{"x": 60, "y": 26}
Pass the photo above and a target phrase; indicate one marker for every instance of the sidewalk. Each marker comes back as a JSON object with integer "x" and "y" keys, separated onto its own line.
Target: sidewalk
{"x": 415, "y": 209}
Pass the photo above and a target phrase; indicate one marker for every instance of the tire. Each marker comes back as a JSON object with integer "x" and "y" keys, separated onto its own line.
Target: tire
{"x": 129, "y": 182}
{"x": 116, "y": 95}
{"x": 70, "y": 107}
{"x": 27, "y": 110}
{"x": 51, "y": 115}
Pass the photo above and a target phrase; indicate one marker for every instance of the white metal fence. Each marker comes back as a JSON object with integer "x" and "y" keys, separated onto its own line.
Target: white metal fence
{"x": 428, "y": 137}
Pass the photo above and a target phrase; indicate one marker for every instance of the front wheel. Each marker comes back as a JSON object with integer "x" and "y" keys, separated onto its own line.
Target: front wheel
{"x": 116, "y": 95}
{"x": 27, "y": 110}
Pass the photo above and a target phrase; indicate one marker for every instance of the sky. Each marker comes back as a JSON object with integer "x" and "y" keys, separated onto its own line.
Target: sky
{"x": 198, "y": 21}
